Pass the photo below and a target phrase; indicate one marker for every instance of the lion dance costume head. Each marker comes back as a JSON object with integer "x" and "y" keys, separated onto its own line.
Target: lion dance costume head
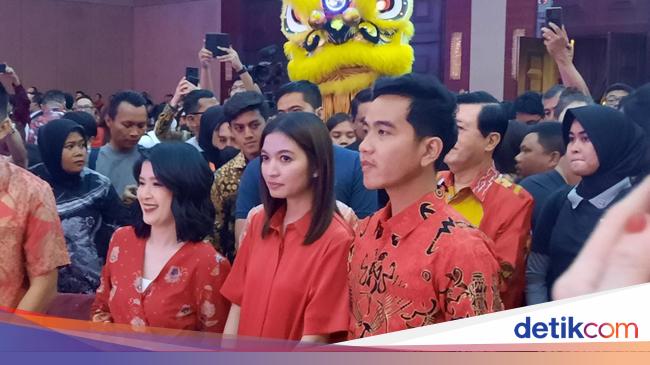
{"x": 343, "y": 46}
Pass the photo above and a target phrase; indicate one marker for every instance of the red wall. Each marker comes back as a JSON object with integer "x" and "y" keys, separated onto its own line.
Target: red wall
{"x": 167, "y": 38}
{"x": 458, "y": 18}
{"x": 520, "y": 14}
{"x": 68, "y": 45}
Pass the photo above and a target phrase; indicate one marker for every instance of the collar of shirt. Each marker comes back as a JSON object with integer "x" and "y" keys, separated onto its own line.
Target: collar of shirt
{"x": 479, "y": 186}
{"x": 602, "y": 200}
{"x": 301, "y": 225}
{"x": 410, "y": 218}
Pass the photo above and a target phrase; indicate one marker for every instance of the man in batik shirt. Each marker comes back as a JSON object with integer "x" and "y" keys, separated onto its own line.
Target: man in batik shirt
{"x": 416, "y": 262}
{"x": 32, "y": 245}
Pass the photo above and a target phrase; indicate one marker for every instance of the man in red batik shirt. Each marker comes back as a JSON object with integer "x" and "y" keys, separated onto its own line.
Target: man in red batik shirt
{"x": 415, "y": 262}
{"x": 500, "y": 208}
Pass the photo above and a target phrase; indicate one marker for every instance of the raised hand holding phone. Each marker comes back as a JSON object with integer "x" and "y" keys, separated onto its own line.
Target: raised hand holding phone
{"x": 183, "y": 88}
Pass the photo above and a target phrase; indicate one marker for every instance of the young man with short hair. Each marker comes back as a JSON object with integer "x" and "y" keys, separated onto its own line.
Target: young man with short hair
{"x": 415, "y": 262}
{"x": 247, "y": 113}
{"x": 498, "y": 207}
{"x": 127, "y": 121}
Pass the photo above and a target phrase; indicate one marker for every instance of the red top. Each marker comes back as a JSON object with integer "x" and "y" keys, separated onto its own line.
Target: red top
{"x": 287, "y": 289}
{"x": 507, "y": 216}
{"x": 185, "y": 295}
{"x": 422, "y": 266}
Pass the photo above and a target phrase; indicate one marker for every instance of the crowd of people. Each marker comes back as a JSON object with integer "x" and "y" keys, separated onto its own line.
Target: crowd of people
{"x": 259, "y": 218}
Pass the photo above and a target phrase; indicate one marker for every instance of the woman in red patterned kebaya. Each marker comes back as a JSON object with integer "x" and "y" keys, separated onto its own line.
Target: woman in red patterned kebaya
{"x": 160, "y": 272}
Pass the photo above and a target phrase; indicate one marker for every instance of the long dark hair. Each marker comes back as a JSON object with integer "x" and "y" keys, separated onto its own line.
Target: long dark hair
{"x": 309, "y": 132}
{"x": 181, "y": 169}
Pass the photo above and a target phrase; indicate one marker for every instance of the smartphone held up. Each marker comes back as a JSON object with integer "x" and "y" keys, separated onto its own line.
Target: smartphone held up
{"x": 215, "y": 40}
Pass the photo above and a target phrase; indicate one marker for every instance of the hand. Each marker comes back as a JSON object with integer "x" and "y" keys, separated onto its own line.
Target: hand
{"x": 183, "y": 88}
{"x": 618, "y": 251}
{"x": 9, "y": 78}
{"x": 205, "y": 57}
{"x": 557, "y": 43}
{"x": 130, "y": 194}
{"x": 233, "y": 57}
{"x": 6, "y": 128}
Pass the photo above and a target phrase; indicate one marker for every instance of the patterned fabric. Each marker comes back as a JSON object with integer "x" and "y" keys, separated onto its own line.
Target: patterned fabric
{"x": 185, "y": 295}
{"x": 287, "y": 289}
{"x": 31, "y": 239}
{"x": 507, "y": 211}
{"x": 424, "y": 265}
{"x": 32, "y": 136}
{"x": 164, "y": 124}
{"x": 83, "y": 210}
{"x": 224, "y": 198}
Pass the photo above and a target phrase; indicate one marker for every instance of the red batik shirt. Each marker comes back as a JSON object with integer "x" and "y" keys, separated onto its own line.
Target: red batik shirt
{"x": 185, "y": 295}
{"x": 31, "y": 238}
{"x": 287, "y": 289}
{"x": 424, "y": 265}
{"x": 507, "y": 211}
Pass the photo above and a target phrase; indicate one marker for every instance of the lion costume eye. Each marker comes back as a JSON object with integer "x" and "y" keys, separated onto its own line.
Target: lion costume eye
{"x": 391, "y": 9}
{"x": 294, "y": 25}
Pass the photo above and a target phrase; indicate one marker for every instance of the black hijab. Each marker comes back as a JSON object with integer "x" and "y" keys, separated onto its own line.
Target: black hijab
{"x": 211, "y": 120}
{"x": 620, "y": 144}
{"x": 51, "y": 138}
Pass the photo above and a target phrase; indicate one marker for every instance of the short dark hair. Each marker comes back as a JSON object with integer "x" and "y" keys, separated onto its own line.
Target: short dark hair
{"x": 636, "y": 107}
{"x": 432, "y": 112}
{"x": 553, "y": 92}
{"x": 362, "y": 97}
{"x": 246, "y": 101}
{"x": 568, "y": 96}
{"x": 85, "y": 120}
{"x": 98, "y": 94}
{"x": 69, "y": 101}
{"x": 619, "y": 86}
{"x": 191, "y": 100}
{"x": 180, "y": 168}
{"x": 310, "y": 92}
{"x": 549, "y": 135}
{"x": 337, "y": 119}
{"x": 56, "y": 96}
{"x": 476, "y": 97}
{"x": 492, "y": 118}
{"x": 530, "y": 102}
{"x": 309, "y": 132}
{"x": 129, "y": 96}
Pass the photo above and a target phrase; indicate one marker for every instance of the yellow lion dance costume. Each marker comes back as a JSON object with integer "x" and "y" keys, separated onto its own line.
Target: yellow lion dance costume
{"x": 345, "y": 45}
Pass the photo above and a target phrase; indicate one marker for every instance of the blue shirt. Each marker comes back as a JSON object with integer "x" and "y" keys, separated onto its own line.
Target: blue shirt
{"x": 348, "y": 185}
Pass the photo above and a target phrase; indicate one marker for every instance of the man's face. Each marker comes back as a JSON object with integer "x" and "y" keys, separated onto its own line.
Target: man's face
{"x": 390, "y": 153}
{"x": 359, "y": 128}
{"x": 85, "y": 105}
{"x": 470, "y": 149}
{"x": 193, "y": 120}
{"x": 129, "y": 125}
{"x": 294, "y": 102}
{"x": 30, "y": 94}
{"x": 247, "y": 129}
{"x": 614, "y": 97}
{"x": 532, "y": 158}
{"x": 529, "y": 119}
{"x": 237, "y": 87}
{"x": 549, "y": 108}
{"x": 52, "y": 110}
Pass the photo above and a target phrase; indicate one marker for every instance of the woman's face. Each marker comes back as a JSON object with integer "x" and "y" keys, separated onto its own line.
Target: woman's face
{"x": 222, "y": 137}
{"x": 285, "y": 167}
{"x": 581, "y": 153}
{"x": 73, "y": 156}
{"x": 154, "y": 198}
{"x": 343, "y": 134}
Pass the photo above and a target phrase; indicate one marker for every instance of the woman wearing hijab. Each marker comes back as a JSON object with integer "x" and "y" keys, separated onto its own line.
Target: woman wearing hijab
{"x": 215, "y": 138}
{"x": 85, "y": 201}
{"x": 608, "y": 151}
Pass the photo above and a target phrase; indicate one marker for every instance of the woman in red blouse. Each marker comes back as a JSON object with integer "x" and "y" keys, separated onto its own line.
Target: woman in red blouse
{"x": 161, "y": 272}
{"x": 289, "y": 280}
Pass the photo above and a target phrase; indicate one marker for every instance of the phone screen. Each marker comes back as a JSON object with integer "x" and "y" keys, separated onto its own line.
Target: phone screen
{"x": 215, "y": 40}
{"x": 192, "y": 75}
{"x": 554, "y": 15}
